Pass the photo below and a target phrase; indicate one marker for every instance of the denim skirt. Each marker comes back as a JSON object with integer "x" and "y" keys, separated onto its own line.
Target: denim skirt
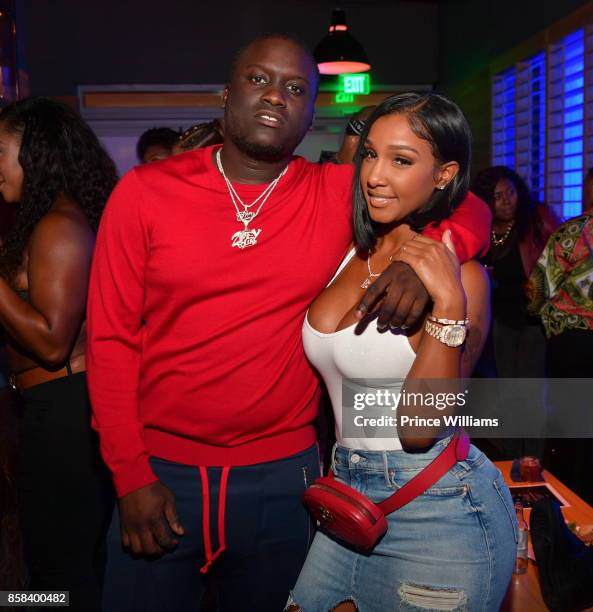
{"x": 451, "y": 548}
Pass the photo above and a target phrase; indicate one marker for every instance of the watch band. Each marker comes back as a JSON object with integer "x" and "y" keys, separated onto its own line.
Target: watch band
{"x": 434, "y": 319}
{"x": 435, "y": 330}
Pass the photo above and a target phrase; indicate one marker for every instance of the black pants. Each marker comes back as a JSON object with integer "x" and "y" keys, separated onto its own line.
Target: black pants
{"x": 520, "y": 352}
{"x": 65, "y": 494}
{"x": 267, "y": 536}
{"x": 570, "y": 355}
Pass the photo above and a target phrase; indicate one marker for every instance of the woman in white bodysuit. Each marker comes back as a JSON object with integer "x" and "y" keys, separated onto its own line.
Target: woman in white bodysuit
{"x": 453, "y": 547}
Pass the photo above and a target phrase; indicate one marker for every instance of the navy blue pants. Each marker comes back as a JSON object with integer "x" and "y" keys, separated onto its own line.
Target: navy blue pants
{"x": 267, "y": 533}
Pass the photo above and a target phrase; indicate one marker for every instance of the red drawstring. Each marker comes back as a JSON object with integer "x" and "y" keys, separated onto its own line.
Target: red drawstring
{"x": 206, "y": 516}
{"x": 222, "y": 505}
{"x": 210, "y": 558}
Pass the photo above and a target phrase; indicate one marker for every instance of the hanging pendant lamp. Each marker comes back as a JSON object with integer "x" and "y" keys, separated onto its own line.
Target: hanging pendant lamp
{"x": 339, "y": 52}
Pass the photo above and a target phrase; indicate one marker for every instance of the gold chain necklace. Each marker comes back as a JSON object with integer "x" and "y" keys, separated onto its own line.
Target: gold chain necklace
{"x": 368, "y": 281}
{"x": 246, "y": 237}
{"x": 500, "y": 241}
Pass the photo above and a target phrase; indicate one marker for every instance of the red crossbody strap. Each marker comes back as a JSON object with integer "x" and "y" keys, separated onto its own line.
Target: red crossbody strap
{"x": 456, "y": 450}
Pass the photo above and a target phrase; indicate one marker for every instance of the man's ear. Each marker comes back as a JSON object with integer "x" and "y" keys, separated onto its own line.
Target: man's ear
{"x": 447, "y": 172}
{"x": 225, "y": 95}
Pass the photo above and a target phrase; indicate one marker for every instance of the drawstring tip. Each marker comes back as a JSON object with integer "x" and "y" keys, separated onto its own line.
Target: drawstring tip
{"x": 204, "y": 569}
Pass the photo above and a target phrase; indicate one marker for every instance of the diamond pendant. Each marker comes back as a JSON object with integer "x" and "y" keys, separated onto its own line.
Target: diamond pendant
{"x": 245, "y": 216}
{"x": 245, "y": 238}
{"x": 367, "y": 283}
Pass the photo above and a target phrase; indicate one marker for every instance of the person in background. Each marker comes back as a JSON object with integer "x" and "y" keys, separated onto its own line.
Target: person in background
{"x": 200, "y": 135}
{"x": 155, "y": 144}
{"x": 57, "y": 177}
{"x": 12, "y": 570}
{"x": 354, "y": 127}
{"x": 588, "y": 191}
{"x": 520, "y": 229}
{"x": 561, "y": 293}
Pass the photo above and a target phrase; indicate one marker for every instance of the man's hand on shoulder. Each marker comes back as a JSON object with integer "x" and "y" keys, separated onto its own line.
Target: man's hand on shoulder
{"x": 149, "y": 521}
{"x": 398, "y": 295}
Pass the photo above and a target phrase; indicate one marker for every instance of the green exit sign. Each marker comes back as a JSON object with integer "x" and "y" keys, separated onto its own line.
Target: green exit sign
{"x": 359, "y": 84}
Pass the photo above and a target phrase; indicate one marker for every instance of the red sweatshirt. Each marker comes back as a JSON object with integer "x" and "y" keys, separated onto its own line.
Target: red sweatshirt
{"x": 194, "y": 347}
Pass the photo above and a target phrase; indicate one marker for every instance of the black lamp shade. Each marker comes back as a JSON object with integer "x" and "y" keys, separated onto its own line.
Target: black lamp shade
{"x": 338, "y": 51}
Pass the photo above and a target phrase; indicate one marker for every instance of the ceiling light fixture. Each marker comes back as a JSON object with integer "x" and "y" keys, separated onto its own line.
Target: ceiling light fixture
{"x": 339, "y": 52}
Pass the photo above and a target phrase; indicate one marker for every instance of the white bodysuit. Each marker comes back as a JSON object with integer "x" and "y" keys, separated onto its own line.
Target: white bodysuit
{"x": 370, "y": 355}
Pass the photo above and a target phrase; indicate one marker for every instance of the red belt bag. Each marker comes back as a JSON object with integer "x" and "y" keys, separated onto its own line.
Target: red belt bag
{"x": 353, "y": 518}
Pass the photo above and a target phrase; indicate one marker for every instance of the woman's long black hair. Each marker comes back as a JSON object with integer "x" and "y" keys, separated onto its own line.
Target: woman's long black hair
{"x": 439, "y": 121}
{"x": 59, "y": 154}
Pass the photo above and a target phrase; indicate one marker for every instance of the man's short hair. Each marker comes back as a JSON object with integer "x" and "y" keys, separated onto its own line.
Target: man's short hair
{"x": 162, "y": 136}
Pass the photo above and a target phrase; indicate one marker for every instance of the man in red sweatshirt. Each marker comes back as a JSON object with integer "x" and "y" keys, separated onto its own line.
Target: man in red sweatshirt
{"x": 204, "y": 267}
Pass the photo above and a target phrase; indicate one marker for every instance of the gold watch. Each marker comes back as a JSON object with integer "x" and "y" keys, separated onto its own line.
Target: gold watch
{"x": 450, "y": 334}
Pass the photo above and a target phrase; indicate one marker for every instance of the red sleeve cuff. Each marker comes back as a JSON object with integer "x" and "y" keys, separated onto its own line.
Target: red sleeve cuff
{"x": 470, "y": 228}
{"x": 133, "y": 476}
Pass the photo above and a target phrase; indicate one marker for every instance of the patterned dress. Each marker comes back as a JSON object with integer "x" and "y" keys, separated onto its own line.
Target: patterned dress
{"x": 561, "y": 284}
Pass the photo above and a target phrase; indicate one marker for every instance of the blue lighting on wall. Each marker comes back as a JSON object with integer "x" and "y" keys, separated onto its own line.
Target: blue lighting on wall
{"x": 519, "y": 121}
{"x": 538, "y": 122}
{"x": 573, "y": 123}
{"x": 503, "y": 119}
{"x": 536, "y": 173}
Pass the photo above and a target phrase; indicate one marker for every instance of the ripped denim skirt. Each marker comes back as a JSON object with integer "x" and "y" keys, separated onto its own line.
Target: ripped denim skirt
{"x": 451, "y": 548}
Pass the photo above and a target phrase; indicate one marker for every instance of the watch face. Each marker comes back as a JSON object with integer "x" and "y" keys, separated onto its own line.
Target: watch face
{"x": 454, "y": 335}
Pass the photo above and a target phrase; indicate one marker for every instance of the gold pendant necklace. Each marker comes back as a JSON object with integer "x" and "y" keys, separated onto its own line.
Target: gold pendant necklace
{"x": 500, "y": 241}
{"x": 368, "y": 280}
{"x": 246, "y": 237}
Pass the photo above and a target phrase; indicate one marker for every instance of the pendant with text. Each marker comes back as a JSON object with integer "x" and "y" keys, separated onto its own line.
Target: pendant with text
{"x": 245, "y": 238}
{"x": 245, "y": 216}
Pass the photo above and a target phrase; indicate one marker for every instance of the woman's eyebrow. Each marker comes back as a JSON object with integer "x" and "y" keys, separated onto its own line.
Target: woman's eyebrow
{"x": 369, "y": 142}
{"x": 404, "y": 147}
